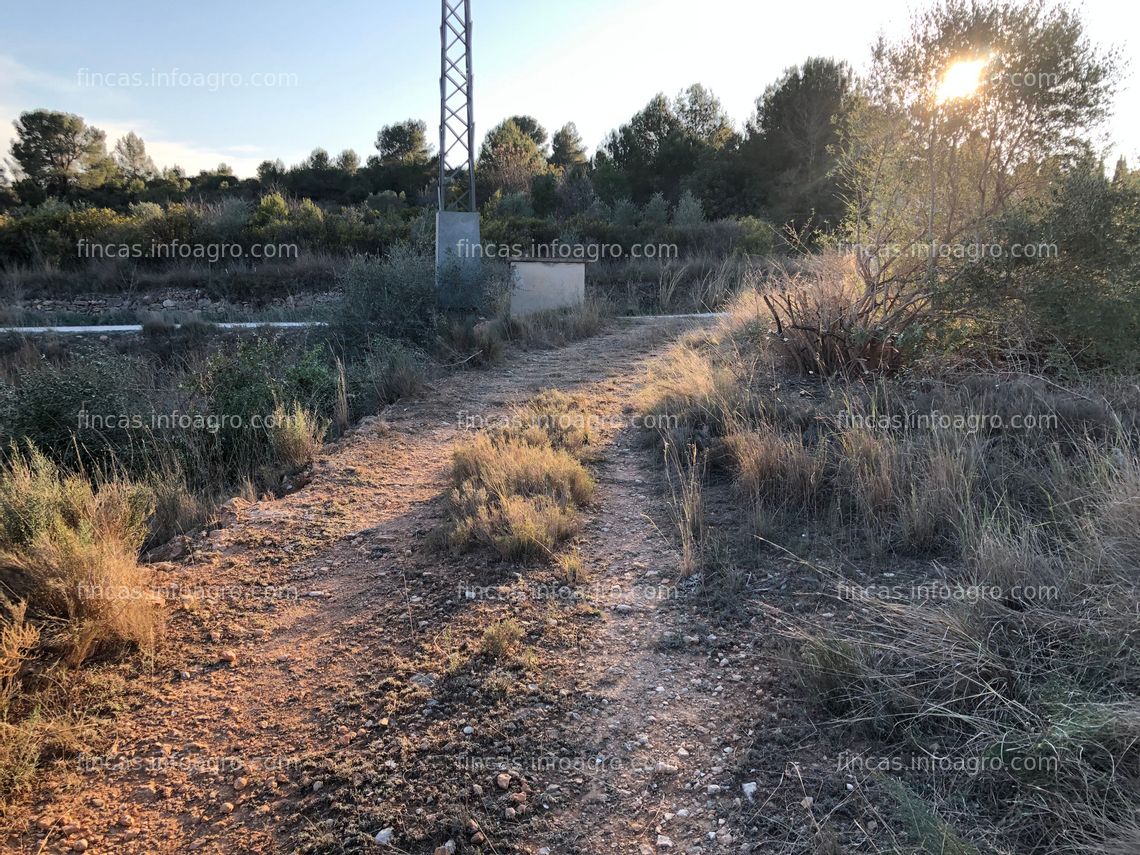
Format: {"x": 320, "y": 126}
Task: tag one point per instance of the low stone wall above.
{"x": 179, "y": 302}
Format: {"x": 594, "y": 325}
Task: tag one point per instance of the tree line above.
{"x": 684, "y": 149}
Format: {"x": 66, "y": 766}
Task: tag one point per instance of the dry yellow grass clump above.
{"x": 518, "y": 488}
{"x": 297, "y": 435}
{"x": 485, "y": 342}
{"x": 501, "y": 639}
{"x": 69, "y": 551}
{"x": 71, "y": 588}
{"x": 560, "y": 326}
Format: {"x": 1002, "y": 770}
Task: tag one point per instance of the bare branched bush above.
{"x": 824, "y": 319}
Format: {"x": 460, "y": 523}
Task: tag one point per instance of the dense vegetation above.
{"x": 1016, "y": 207}
{"x": 683, "y": 148}
{"x": 677, "y": 174}
{"x": 965, "y": 539}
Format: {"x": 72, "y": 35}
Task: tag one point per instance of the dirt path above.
{"x": 322, "y": 686}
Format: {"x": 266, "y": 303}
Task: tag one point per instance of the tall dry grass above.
{"x": 560, "y": 327}
{"x": 69, "y": 551}
{"x": 296, "y": 436}
{"x": 71, "y": 588}
{"x": 1032, "y": 679}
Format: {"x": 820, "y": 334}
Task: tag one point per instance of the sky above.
{"x": 243, "y": 81}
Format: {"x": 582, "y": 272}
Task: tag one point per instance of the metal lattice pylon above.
{"x": 457, "y": 117}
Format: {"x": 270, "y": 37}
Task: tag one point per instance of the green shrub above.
{"x": 225, "y": 221}
{"x": 626, "y": 213}
{"x": 393, "y": 297}
{"x": 510, "y": 206}
{"x": 757, "y": 236}
{"x": 144, "y": 212}
{"x": 197, "y": 423}
{"x": 310, "y": 379}
{"x": 307, "y": 224}
{"x": 179, "y": 222}
{"x": 244, "y": 390}
{"x": 386, "y": 202}
{"x": 689, "y": 211}
{"x": 1094, "y": 313}
{"x": 544, "y": 194}
{"x": 1073, "y": 284}
{"x": 50, "y": 233}
{"x": 387, "y": 372}
{"x": 507, "y": 231}
{"x": 656, "y": 213}
{"x": 244, "y": 382}
{"x": 75, "y": 411}
{"x": 600, "y": 212}
{"x": 272, "y": 209}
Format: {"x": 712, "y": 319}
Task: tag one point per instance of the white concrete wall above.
{"x": 539, "y": 286}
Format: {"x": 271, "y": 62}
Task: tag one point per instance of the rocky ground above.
{"x": 176, "y": 303}
{"x": 326, "y": 685}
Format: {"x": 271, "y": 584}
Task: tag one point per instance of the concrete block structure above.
{"x": 457, "y": 259}
{"x": 541, "y": 285}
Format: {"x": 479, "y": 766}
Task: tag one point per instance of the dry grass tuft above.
{"x": 561, "y": 326}
{"x": 685, "y": 471}
{"x": 518, "y": 489}
{"x": 697, "y": 396}
{"x": 1116, "y": 520}
{"x": 297, "y": 436}
{"x": 570, "y": 568}
{"x": 177, "y": 508}
{"x": 564, "y": 419}
{"x": 508, "y": 466}
{"x": 71, "y": 588}
{"x": 474, "y": 342}
{"x": 69, "y": 550}
{"x": 501, "y": 639}
{"x": 773, "y": 468}
{"x": 18, "y": 639}
{"x": 465, "y": 341}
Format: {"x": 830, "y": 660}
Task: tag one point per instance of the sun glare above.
{"x": 961, "y": 80}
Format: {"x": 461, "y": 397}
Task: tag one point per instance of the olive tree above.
{"x": 973, "y": 115}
